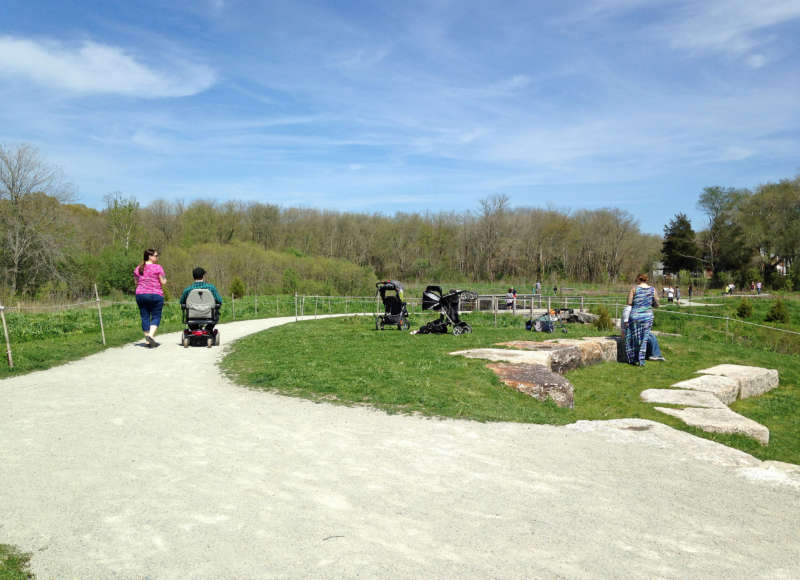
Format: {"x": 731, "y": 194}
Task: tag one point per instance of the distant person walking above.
{"x": 758, "y": 287}
{"x": 691, "y": 291}
{"x": 510, "y": 299}
{"x": 538, "y": 289}
{"x": 642, "y": 299}
{"x": 150, "y": 279}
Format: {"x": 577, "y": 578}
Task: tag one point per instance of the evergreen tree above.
{"x": 679, "y": 250}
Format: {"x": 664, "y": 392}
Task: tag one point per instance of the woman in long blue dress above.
{"x": 642, "y": 299}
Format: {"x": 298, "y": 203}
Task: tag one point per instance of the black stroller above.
{"x": 200, "y": 315}
{"x": 395, "y": 312}
{"x": 447, "y": 306}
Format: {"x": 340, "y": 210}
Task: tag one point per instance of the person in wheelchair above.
{"x": 199, "y": 275}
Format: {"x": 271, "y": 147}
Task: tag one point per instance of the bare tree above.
{"x": 31, "y": 193}
{"x": 123, "y": 217}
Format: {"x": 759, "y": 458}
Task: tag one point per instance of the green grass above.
{"x": 42, "y": 340}
{"x": 346, "y": 361}
{"x": 14, "y": 564}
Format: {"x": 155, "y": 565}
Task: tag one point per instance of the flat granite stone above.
{"x": 753, "y": 381}
{"x": 720, "y": 421}
{"x": 537, "y": 381}
{"x": 504, "y": 354}
{"x": 724, "y": 388}
{"x": 682, "y": 397}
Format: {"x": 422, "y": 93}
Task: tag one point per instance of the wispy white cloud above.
{"x": 358, "y": 59}
{"x": 740, "y": 28}
{"x": 95, "y": 68}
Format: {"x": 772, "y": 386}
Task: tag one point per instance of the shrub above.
{"x": 778, "y": 312}
{"x": 237, "y": 287}
{"x": 745, "y": 309}
{"x": 604, "y": 320}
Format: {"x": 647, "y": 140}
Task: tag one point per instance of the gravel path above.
{"x": 137, "y": 463}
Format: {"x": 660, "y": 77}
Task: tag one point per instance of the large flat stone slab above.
{"x": 724, "y": 388}
{"x": 563, "y": 357}
{"x": 682, "y": 397}
{"x": 538, "y": 381}
{"x": 753, "y": 381}
{"x": 507, "y": 355}
{"x": 720, "y": 421}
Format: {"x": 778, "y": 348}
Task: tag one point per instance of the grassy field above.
{"x": 346, "y": 361}
{"x": 14, "y": 564}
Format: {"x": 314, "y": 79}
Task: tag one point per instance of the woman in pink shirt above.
{"x": 150, "y": 278}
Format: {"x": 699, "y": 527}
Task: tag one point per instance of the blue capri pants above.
{"x": 150, "y": 306}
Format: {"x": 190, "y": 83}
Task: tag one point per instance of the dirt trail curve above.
{"x": 135, "y": 463}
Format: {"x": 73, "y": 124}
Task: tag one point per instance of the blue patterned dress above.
{"x": 639, "y": 325}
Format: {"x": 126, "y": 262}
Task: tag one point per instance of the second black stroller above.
{"x": 395, "y": 312}
{"x": 447, "y": 306}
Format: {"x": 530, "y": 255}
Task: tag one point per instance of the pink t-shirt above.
{"x": 149, "y": 283}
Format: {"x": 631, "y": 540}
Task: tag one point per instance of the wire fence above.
{"x": 29, "y": 322}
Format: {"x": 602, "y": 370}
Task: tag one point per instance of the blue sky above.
{"x": 407, "y": 106}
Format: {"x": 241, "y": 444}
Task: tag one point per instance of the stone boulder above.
{"x": 537, "y": 381}
{"x": 582, "y": 317}
{"x": 753, "y": 381}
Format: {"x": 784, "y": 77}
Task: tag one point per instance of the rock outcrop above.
{"x": 537, "y": 381}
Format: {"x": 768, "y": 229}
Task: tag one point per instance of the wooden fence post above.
{"x": 295, "y": 306}
{"x": 5, "y": 332}
{"x": 99, "y": 314}
{"x": 233, "y": 306}
{"x": 255, "y": 305}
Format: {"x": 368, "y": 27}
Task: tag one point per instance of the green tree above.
{"x": 679, "y": 250}
{"x": 725, "y": 246}
{"x": 778, "y": 312}
{"x": 237, "y": 287}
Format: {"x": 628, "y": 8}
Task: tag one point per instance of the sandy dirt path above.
{"x": 137, "y": 463}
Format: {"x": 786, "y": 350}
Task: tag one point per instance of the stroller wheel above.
{"x": 378, "y": 325}
{"x": 185, "y": 341}
{"x": 457, "y": 330}
{"x": 210, "y": 341}
{"x": 216, "y": 339}
{"x": 406, "y": 325}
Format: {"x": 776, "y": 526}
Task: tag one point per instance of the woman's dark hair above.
{"x": 147, "y": 253}
{"x": 641, "y": 278}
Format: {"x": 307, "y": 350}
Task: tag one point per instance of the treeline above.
{"x": 750, "y": 236}
{"x": 54, "y": 246}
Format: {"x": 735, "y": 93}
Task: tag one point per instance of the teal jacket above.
{"x": 203, "y": 285}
